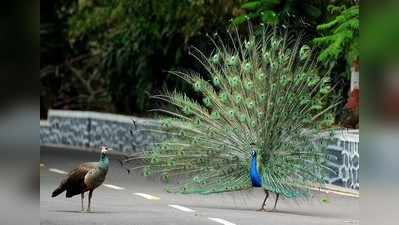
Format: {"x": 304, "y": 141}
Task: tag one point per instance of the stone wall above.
{"x": 345, "y": 159}
{"x": 91, "y": 129}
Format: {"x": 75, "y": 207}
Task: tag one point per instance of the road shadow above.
{"x": 80, "y": 212}
{"x": 275, "y": 212}
{"x": 303, "y": 213}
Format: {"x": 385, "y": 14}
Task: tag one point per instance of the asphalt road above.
{"x": 126, "y": 201}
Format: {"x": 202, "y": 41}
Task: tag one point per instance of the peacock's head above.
{"x": 253, "y": 153}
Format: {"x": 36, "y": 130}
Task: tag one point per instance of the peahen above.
{"x": 86, "y": 177}
{"x": 263, "y": 107}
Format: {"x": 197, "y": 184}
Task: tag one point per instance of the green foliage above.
{"x": 68, "y": 80}
{"x": 268, "y": 91}
{"x": 334, "y": 30}
{"x": 272, "y": 12}
{"x": 140, "y": 39}
{"x": 340, "y": 35}
{"x": 132, "y": 43}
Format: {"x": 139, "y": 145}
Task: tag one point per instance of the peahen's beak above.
{"x": 104, "y": 150}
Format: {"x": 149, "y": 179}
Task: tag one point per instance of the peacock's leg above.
{"x": 275, "y": 203}
{"x": 82, "y": 196}
{"x": 90, "y": 194}
{"x": 262, "y": 208}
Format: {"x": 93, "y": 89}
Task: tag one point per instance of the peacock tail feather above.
{"x": 265, "y": 90}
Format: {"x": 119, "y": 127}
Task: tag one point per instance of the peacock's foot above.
{"x": 89, "y": 211}
{"x": 261, "y": 210}
{"x": 82, "y": 210}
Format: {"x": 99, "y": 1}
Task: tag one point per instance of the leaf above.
{"x": 269, "y": 4}
{"x": 325, "y": 200}
{"x": 326, "y": 26}
{"x": 240, "y": 19}
{"x": 269, "y": 17}
{"x": 251, "y": 5}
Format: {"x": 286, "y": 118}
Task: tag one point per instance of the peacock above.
{"x": 254, "y": 121}
{"x": 86, "y": 177}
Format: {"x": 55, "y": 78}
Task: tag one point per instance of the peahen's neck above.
{"x": 104, "y": 162}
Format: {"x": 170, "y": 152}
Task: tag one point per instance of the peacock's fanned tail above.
{"x": 265, "y": 90}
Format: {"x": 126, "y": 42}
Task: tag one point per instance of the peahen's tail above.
{"x": 58, "y": 191}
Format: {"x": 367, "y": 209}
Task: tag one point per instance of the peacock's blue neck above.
{"x": 104, "y": 161}
{"x": 256, "y": 179}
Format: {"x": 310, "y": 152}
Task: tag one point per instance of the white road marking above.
{"x": 182, "y": 208}
{"x": 352, "y": 221}
{"x": 114, "y": 187}
{"x": 222, "y": 221}
{"x": 147, "y": 196}
{"x": 57, "y": 171}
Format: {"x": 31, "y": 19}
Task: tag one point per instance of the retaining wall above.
{"x": 92, "y": 129}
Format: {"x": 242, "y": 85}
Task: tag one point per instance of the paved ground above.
{"x": 113, "y": 205}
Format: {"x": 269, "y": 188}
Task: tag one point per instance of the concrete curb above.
{"x": 334, "y": 189}
{"x": 83, "y": 149}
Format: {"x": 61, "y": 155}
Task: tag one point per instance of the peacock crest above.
{"x": 264, "y": 90}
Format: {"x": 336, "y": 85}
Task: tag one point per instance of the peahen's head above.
{"x": 104, "y": 150}
{"x": 104, "y": 161}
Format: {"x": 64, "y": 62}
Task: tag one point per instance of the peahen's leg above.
{"x": 90, "y": 194}
{"x": 262, "y": 208}
{"x": 82, "y": 196}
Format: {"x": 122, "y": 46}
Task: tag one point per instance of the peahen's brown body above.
{"x": 86, "y": 177}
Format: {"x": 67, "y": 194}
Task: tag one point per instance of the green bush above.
{"x": 129, "y": 45}
{"x": 139, "y": 40}
{"x": 340, "y": 35}
{"x": 294, "y": 14}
